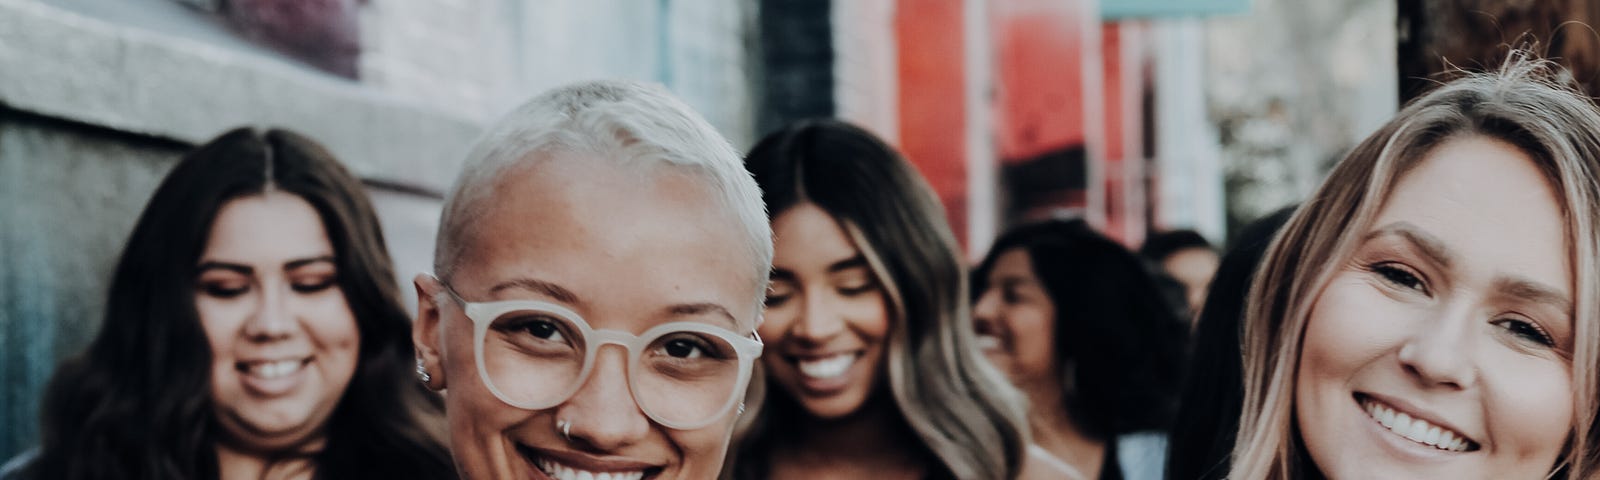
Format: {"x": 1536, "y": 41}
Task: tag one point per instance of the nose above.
{"x": 987, "y": 310}
{"x": 602, "y": 415}
{"x": 1439, "y": 354}
{"x": 272, "y": 319}
{"x": 820, "y": 321}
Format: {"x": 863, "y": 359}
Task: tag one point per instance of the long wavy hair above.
{"x": 137, "y": 404}
{"x": 1522, "y": 104}
{"x": 1118, "y": 340}
{"x": 961, "y": 410}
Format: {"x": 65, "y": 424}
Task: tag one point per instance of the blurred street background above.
{"x": 1138, "y": 115}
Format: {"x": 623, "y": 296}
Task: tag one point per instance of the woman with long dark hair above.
{"x": 253, "y": 330}
{"x": 870, "y": 367}
{"x": 1078, "y": 323}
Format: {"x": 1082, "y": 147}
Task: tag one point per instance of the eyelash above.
{"x": 218, "y": 291}
{"x": 1400, "y": 276}
{"x": 1533, "y": 332}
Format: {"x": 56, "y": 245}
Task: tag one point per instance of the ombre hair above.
{"x": 1521, "y": 104}
{"x": 961, "y": 410}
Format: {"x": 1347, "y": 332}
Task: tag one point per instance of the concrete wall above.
{"x": 99, "y": 98}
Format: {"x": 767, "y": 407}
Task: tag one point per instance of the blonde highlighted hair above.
{"x": 1522, "y": 104}
{"x": 962, "y": 412}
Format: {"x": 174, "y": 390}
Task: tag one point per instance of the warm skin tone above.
{"x": 627, "y": 250}
{"x": 1193, "y": 267}
{"x": 1455, "y": 308}
{"x": 826, "y": 327}
{"x": 283, "y": 340}
{"x": 1016, "y": 323}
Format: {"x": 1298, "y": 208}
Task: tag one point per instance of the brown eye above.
{"x": 313, "y": 286}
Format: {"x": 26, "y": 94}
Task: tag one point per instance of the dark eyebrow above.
{"x": 538, "y": 286}
{"x": 848, "y": 263}
{"x": 232, "y": 267}
{"x": 703, "y": 308}
{"x": 1431, "y": 246}
{"x": 1533, "y": 292}
{"x": 297, "y": 263}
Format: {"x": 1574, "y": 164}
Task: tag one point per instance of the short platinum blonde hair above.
{"x": 1525, "y": 104}
{"x": 633, "y": 124}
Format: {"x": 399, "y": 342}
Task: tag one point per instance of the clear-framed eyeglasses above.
{"x": 535, "y": 355}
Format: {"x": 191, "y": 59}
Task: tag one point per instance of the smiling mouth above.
{"x": 1415, "y": 429}
{"x": 267, "y": 370}
{"x": 561, "y": 471}
{"x": 989, "y": 342}
{"x": 829, "y": 367}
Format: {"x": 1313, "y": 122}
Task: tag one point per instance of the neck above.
{"x": 235, "y": 463}
{"x": 874, "y": 434}
{"x": 1054, "y": 428}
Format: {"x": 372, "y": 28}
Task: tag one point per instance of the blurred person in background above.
{"x": 600, "y": 266}
{"x": 1077, "y": 322}
{"x": 253, "y": 330}
{"x": 1208, "y": 409}
{"x": 1430, "y": 312}
{"x": 1187, "y": 257}
{"x": 871, "y": 371}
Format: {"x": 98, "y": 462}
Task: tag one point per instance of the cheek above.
{"x": 1529, "y": 407}
{"x": 1350, "y": 325}
{"x": 702, "y": 449}
{"x": 869, "y": 316}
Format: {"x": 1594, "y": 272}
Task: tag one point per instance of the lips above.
{"x": 579, "y": 467}
{"x": 274, "y": 377}
{"x": 1416, "y": 429}
{"x": 268, "y": 370}
{"x": 826, "y": 368}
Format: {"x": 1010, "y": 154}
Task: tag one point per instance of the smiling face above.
{"x": 1016, "y": 320}
{"x": 1441, "y": 347}
{"x": 623, "y": 250}
{"x": 826, "y": 319}
{"x": 283, "y": 341}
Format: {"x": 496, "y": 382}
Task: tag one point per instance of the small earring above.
{"x": 422, "y": 372}
{"x": 741, "y": 409}
{"x": 566, "y": 428}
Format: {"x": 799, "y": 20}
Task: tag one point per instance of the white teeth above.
{"x": 274, "y": 369}
{"x": 563, "y": 472}
{"x": 829, "y": 367}
{"x": 988, "y": 342}
{"x": 1416, "y": 429}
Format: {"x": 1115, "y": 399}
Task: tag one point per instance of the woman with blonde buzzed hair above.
{"x": 1431, "y": 311}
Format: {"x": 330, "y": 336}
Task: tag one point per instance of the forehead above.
{"x": 623, "y": 238}
{"x": 1488, "y": 203}
{"x": 805, "y": 237}
{"x": 1015, "y": 263}
{"x": 268, "y": 228}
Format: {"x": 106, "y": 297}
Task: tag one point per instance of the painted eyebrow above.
{"x": 297, "y": 263}
{"x": 243, "y": 269}
{"x": 1533, "y": 291}
{"x": 232, "y": 267}
{"x": 1431, "y": 246}
{"x": 703, "y": 308}
{"x": 848, "y": 263}
{"x": 856, "y": 261}
{"x": 548, "y": 289}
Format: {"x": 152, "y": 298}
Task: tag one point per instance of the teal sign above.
{"x": 1131, "y": 9}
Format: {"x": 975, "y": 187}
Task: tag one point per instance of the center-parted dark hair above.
{"x": 137, "y": 403}
{"x": 1118, "y": 341}
{"x": 961, "y": 411}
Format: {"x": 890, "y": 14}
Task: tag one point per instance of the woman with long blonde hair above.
{"x": 1430, "y": 312}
